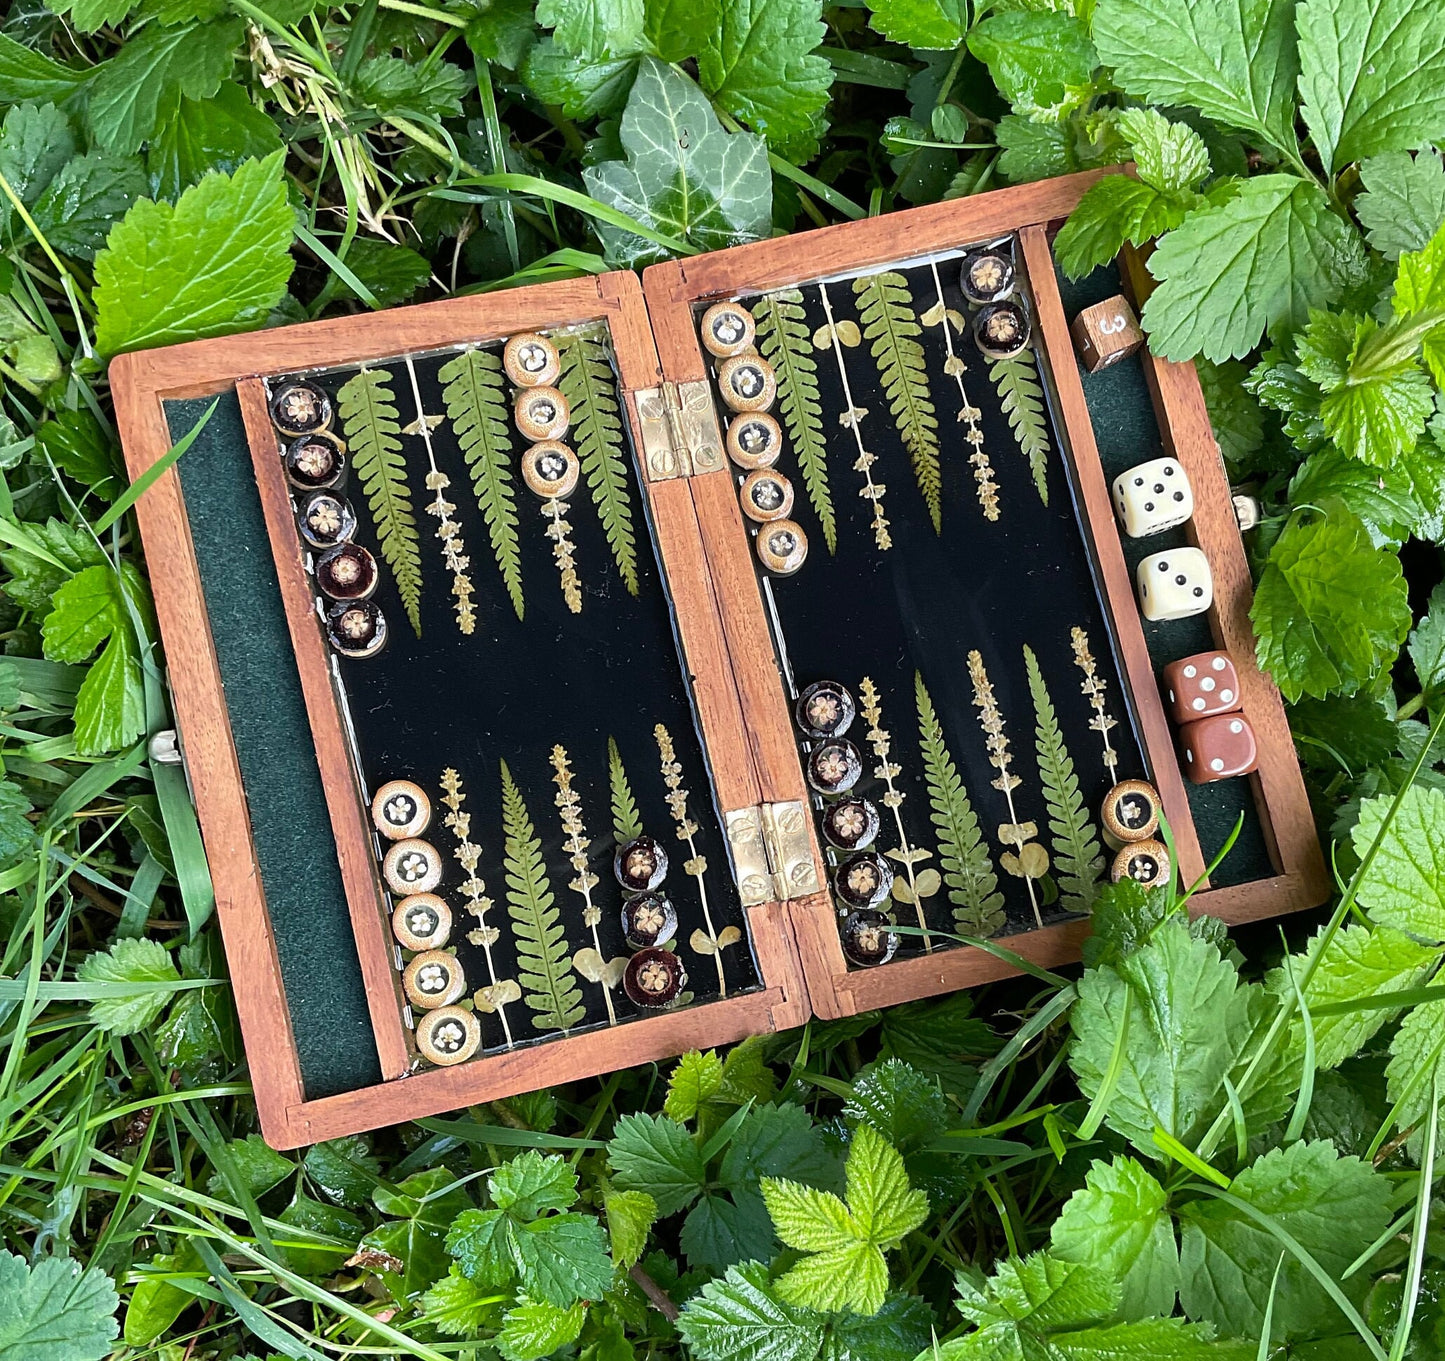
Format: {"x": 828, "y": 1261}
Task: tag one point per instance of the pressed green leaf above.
{"x": 1077, "y": 855}
{"x": 367, "y": 406}
{"x": 215, "y": 263}
{"x": 1259, "y": 260}
{"x": 1372, "y": 76}
{"x": 1404, "y": 886}
{"x": 968, "y": 872}
{"x": 937, "y": 25}
{"x": 1330, "y": 609}
{"x": 1119, "y": 1222}
{"x": 683, "y": 175}
{"x": 1022, "y": 398}
{"x": 626, "y": 821}
{"x": 53, "y": 1310}
{"x": 785, "y": 341}
{"x": 1041, "y": 60}
{"x": 1233, "y": 60}
{"x": 890, "y": 326}
{"x": 757, "y": 62}
{"x": 588, "y": 384}
{"x": 134, "y": 960}
{"x": 1403, "y": 205}
{"x": 545, "y": 970}
{"x": 475, "y": 398}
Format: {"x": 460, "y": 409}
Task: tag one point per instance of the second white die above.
{"x": 1174, "y": 584}
{"x": 1152, "y": 497}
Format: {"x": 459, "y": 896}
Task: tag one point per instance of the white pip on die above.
{"x": 1174, "y": 584}
{"x": 1153, "y": 497}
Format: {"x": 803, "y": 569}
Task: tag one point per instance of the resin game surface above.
{"x": 574, "y": 676}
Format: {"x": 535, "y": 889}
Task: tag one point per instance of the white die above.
{"x": 1154, "y": 496}
{"x": 1174, "y": 584}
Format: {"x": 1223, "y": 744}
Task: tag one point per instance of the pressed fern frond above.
{"x": 1017, "y": 380}
{"x": 373, "y": 435}
{"x": 626, "y": 821}
{"x": 476, "y": 401}
{"x": 978, "y": 906}
{"x": 543, "y": 967}
{"x": 889, "y": 323}
{"x": 588, "y": 385}
{"x": 787, "y": 344}
{"x": 1078, "y": 857}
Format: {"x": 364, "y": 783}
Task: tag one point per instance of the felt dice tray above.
{"x": 324, "y": 1026}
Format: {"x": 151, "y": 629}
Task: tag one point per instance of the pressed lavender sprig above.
{"x": 575, "y": 844}
{"x": 1093, "y": 686}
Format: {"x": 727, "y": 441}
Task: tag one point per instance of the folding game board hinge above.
{"x": 679, "y": 428}
{"x": 772, "y": 856}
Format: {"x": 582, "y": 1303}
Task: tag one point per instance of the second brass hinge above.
{"x": 679, "y": 429}
{"x": 772, "y": 855}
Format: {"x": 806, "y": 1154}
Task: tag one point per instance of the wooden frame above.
{"x": 737, "y": 689}
{"x": 674, "y": 289}
{"x": 143, "y": 383}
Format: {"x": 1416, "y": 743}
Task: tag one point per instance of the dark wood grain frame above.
{"x": 1301, "y": 880}
{"x": 142, "y": 383}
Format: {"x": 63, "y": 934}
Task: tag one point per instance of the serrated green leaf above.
{"x": 475, "y": 398}
{"x": 899, "y": 1331}
{"x": 1077, "y": 855}
{"x": 933, "y": 25}
{"x": 215, "y": 263}
{"x": 17, "y": 833}
{"x": 89, "y": 195}
{"x": 1233, "y": 60}
{"x": 1331, "y": 609}
{"x": 534, "y": 1329}
{"x": 1403, "y": 886}
{"x": 785, "y": 341}
{"x": 1022, "y": 397}
{"x": 36, "y": 141}
{"x": 1332, "y": 1207}
{"x": 391, "y": 84}
{"x": 968, "y": 872}
{"x": 53, "y": 1310}
{"x": 582, "y": 89}
{"x": 1382, "y": 498}
{"x": 1403, "y": 205}
{"x": 459, "y": 1307}
{"x": 89, "y": 16}
{"x": 694, "y": 1081}
{"x": 654, "y": 1154}
{"x": 1426, "y": 644}
{"x": 594, "y": 29}
{"x": 26, "y": 74}
{"x": 905, "y": 1106}
{"x": 1171, "y": 157}
{"x": 1115, "y": 210}
{"x": 740, "y": 1316}
{"x": 1417, "y": 1064}
{"x": 532, "y": 1183}
{"x": 563, "y": 1258}
{"x": 544, "y": 967}
{"x": 1119, "y": 1222}
{"x": 1041, "y": 60}
{"x": 1259, "y": 260}
{"x": 588, "y": 384}
{"x": 391, "y": 273}
{"x": 890, "y": 325}
{"x": 630, "y": 1217}
{"x": 887, "y": 1209}
{"x": 683, "y": 175}
{"x": 1234, "y": 414}
{"x": 208, "y": 134}
{"x": 1372, "y": 76}
{"x": 367, "y": 406}
{"x": 133, "y": 960}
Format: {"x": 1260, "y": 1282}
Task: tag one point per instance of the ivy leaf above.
{"x": 1403, "y": 886}
{"x": 1403, "y": 205}
{"x": 683, "y": 175}
{"x": 1372, "y": 76}
{"x": 215, "y": 263}
{"x": 208, "y": 134}
{"x": 423, "y": 1208}
{"x": 1332, "y": 1207}
{"x": 845, "y": 1243}
{"x": 141, "y": 963}
{"x": 1042, "y": 61}
{"x": 758, "y": 63}
{"x": 535, "y": 1329}
{"x": 1233, "y": 60}
{"x": 140, "y": 88}
{"x": 594, "y": 29}
{"x": 1331, "y": 609}
{"x": 654, "y": 1154}
{"x": 1261, "y": 259}
{"x": 1119, "y": 1222}
{"x": 53, "y": 1309}
{"x": 80, "y": 205}
{"x": 739, "y": 1316}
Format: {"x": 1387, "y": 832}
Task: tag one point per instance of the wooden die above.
{"x": 1106, "y": 333}
{"x": 1217, "y": 748}
{"x": 1201, "y": 686}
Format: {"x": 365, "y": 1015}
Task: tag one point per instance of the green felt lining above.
{"x": 1127, "y": 433}
{"x": 290, "y": 824}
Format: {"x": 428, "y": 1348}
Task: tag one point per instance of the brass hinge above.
{"x": 772, "y": 856}
{"x": 679, "y": 428}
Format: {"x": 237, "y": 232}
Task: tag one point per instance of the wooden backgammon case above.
{"x": 489, "y": 698}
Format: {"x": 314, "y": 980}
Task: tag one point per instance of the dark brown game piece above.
{"x": 834, "y": 766}
{"x": 649, "y": 920}
{"x": 346, "y": 572}
{"x": 640, "y": 865}
{"x": 653, "y": 977}
{"x": 863, "y": 880}
{"x": 825, "y": 709}
{"x": 1217, "y": 748}
{"x": 868, "y": 937}
{"x": 1201, "y": 686}
{"x": 851, "y": 824}
{"x": 1106, "y": 333}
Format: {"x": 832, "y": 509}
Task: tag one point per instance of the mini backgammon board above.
{"x": 573, "y": 676}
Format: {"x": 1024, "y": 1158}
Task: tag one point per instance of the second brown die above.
{"x": 1217, "y": 748}
{"x": 1201, "y": 686}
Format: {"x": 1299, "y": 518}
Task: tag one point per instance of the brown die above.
{"x": 1201, "y": 686}
{"x": 1217, "y": 748}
